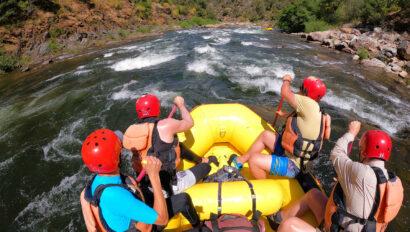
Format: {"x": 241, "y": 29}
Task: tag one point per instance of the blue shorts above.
{"x": 282, "y": 165}
{"x": 279, "y": 150}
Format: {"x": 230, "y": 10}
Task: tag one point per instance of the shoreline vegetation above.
{"x": 35, "y": 33}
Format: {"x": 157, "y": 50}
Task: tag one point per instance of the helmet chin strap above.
{"x": 114, "y": 173}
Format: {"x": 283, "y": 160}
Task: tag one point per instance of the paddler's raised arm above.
{"x": 286, "y": 92}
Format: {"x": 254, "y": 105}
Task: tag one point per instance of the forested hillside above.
{"x": 314, "y": 15}
{"x": 47, "y": 28}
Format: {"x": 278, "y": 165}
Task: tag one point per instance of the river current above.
{"x": 45, "y": 116}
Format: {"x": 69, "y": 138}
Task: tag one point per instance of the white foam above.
{"x": 80, "y": 72}
{"x": 55, "y": 150}
{"x": 108, "y": 54}
{"x": 255, "y": 44}
{"x": 281, "y": 71}
{"x": 298, "y": 46}
{"x": 246, "y": 43}
{"x": 205, "y": 49}
{"x": 56, "y": 77}
{"x": 355, "y": 74}
{"x": 6, "y": 163}
{"x": 131, "y": 47}
{"x": 124, "y": 94}
{"x": 58, "y": 201}
{"x": 373, "y": 113}
{"x": 253, "y": 70}
{"x": 143, "y": 61}
{"x": 202, "y": 66}
{"x": 325, "y": 62}
{"x": 219, "y": 97}
{"x": 263, "y": 39}
{"x": 264, "y": 84}
{"x": 165, "y": 97}
{"x": 207, "y": 37}
{"x": 221, "y": 40}
{"x": 194, "y": 31}
{"x": 248, "y": 30}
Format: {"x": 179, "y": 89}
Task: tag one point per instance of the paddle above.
{"x": 276, "y": 115}
{"x": 143, "y": 172}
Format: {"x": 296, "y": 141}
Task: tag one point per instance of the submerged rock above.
{"x": 404, "y": 133}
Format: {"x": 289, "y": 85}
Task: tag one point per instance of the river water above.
{"x": 45, "y": 116}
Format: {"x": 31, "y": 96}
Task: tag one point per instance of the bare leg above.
{"x": 295, "y": 224}
{"x": 259, "y": 165}
{"x": 314, "y": 200}
{"x": 265, "y": 139}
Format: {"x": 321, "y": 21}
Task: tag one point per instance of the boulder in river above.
{"x": 373, "y": 63}
{"x": 395, "y": 68}
{"x": 404, "y": 50}
{"x": 318, "y": 36}
{"x": 346, "y": 30}
{"x": 387, "y": 68}
{"x": 403, "y": 74}
{"x": 328, "y": 42}
{"x": 364, "y": 42}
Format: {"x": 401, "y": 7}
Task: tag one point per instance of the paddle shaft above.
{"x": 143, "y": 172}
{"x": 276, "y": 114}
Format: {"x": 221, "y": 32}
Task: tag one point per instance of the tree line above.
{"x": 290, "y": 15}
{"x": 315, "y": 15}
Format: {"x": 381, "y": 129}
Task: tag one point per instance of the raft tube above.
{"x": 221, "y": 130}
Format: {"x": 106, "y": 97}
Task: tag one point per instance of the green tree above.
{"x": 327, "y": 10}
{"x": 12, "y": 10}
{"x": 373, "y": 11}
{"x": 294, "y": 16}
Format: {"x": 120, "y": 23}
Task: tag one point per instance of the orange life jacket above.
{"x": 93, "y": 218}
{"x": 138, "y": 138}
{"x": 292, "y": 141}
{"x": 388, "y": 200}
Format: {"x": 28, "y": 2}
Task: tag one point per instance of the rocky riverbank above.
{"x": 78, "y": 28}
{"x": 388, "y": 51}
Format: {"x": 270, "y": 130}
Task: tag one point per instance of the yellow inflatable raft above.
{"x": 268, "y": 28}
{"x": 221, "y": 130}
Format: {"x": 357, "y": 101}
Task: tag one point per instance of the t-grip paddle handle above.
{"x": 276, "y": 114}
{"x": 143, "y": 172}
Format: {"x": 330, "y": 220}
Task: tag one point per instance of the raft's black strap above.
{"x": 219, "y": 198}
{"x": 253, "y": 195}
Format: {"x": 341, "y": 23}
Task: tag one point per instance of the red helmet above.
{"x": 101, "y": 151}
{"x": 313, "y": 88}
{"x": 376, "y": 144}
{"x": 148, "y": 106}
